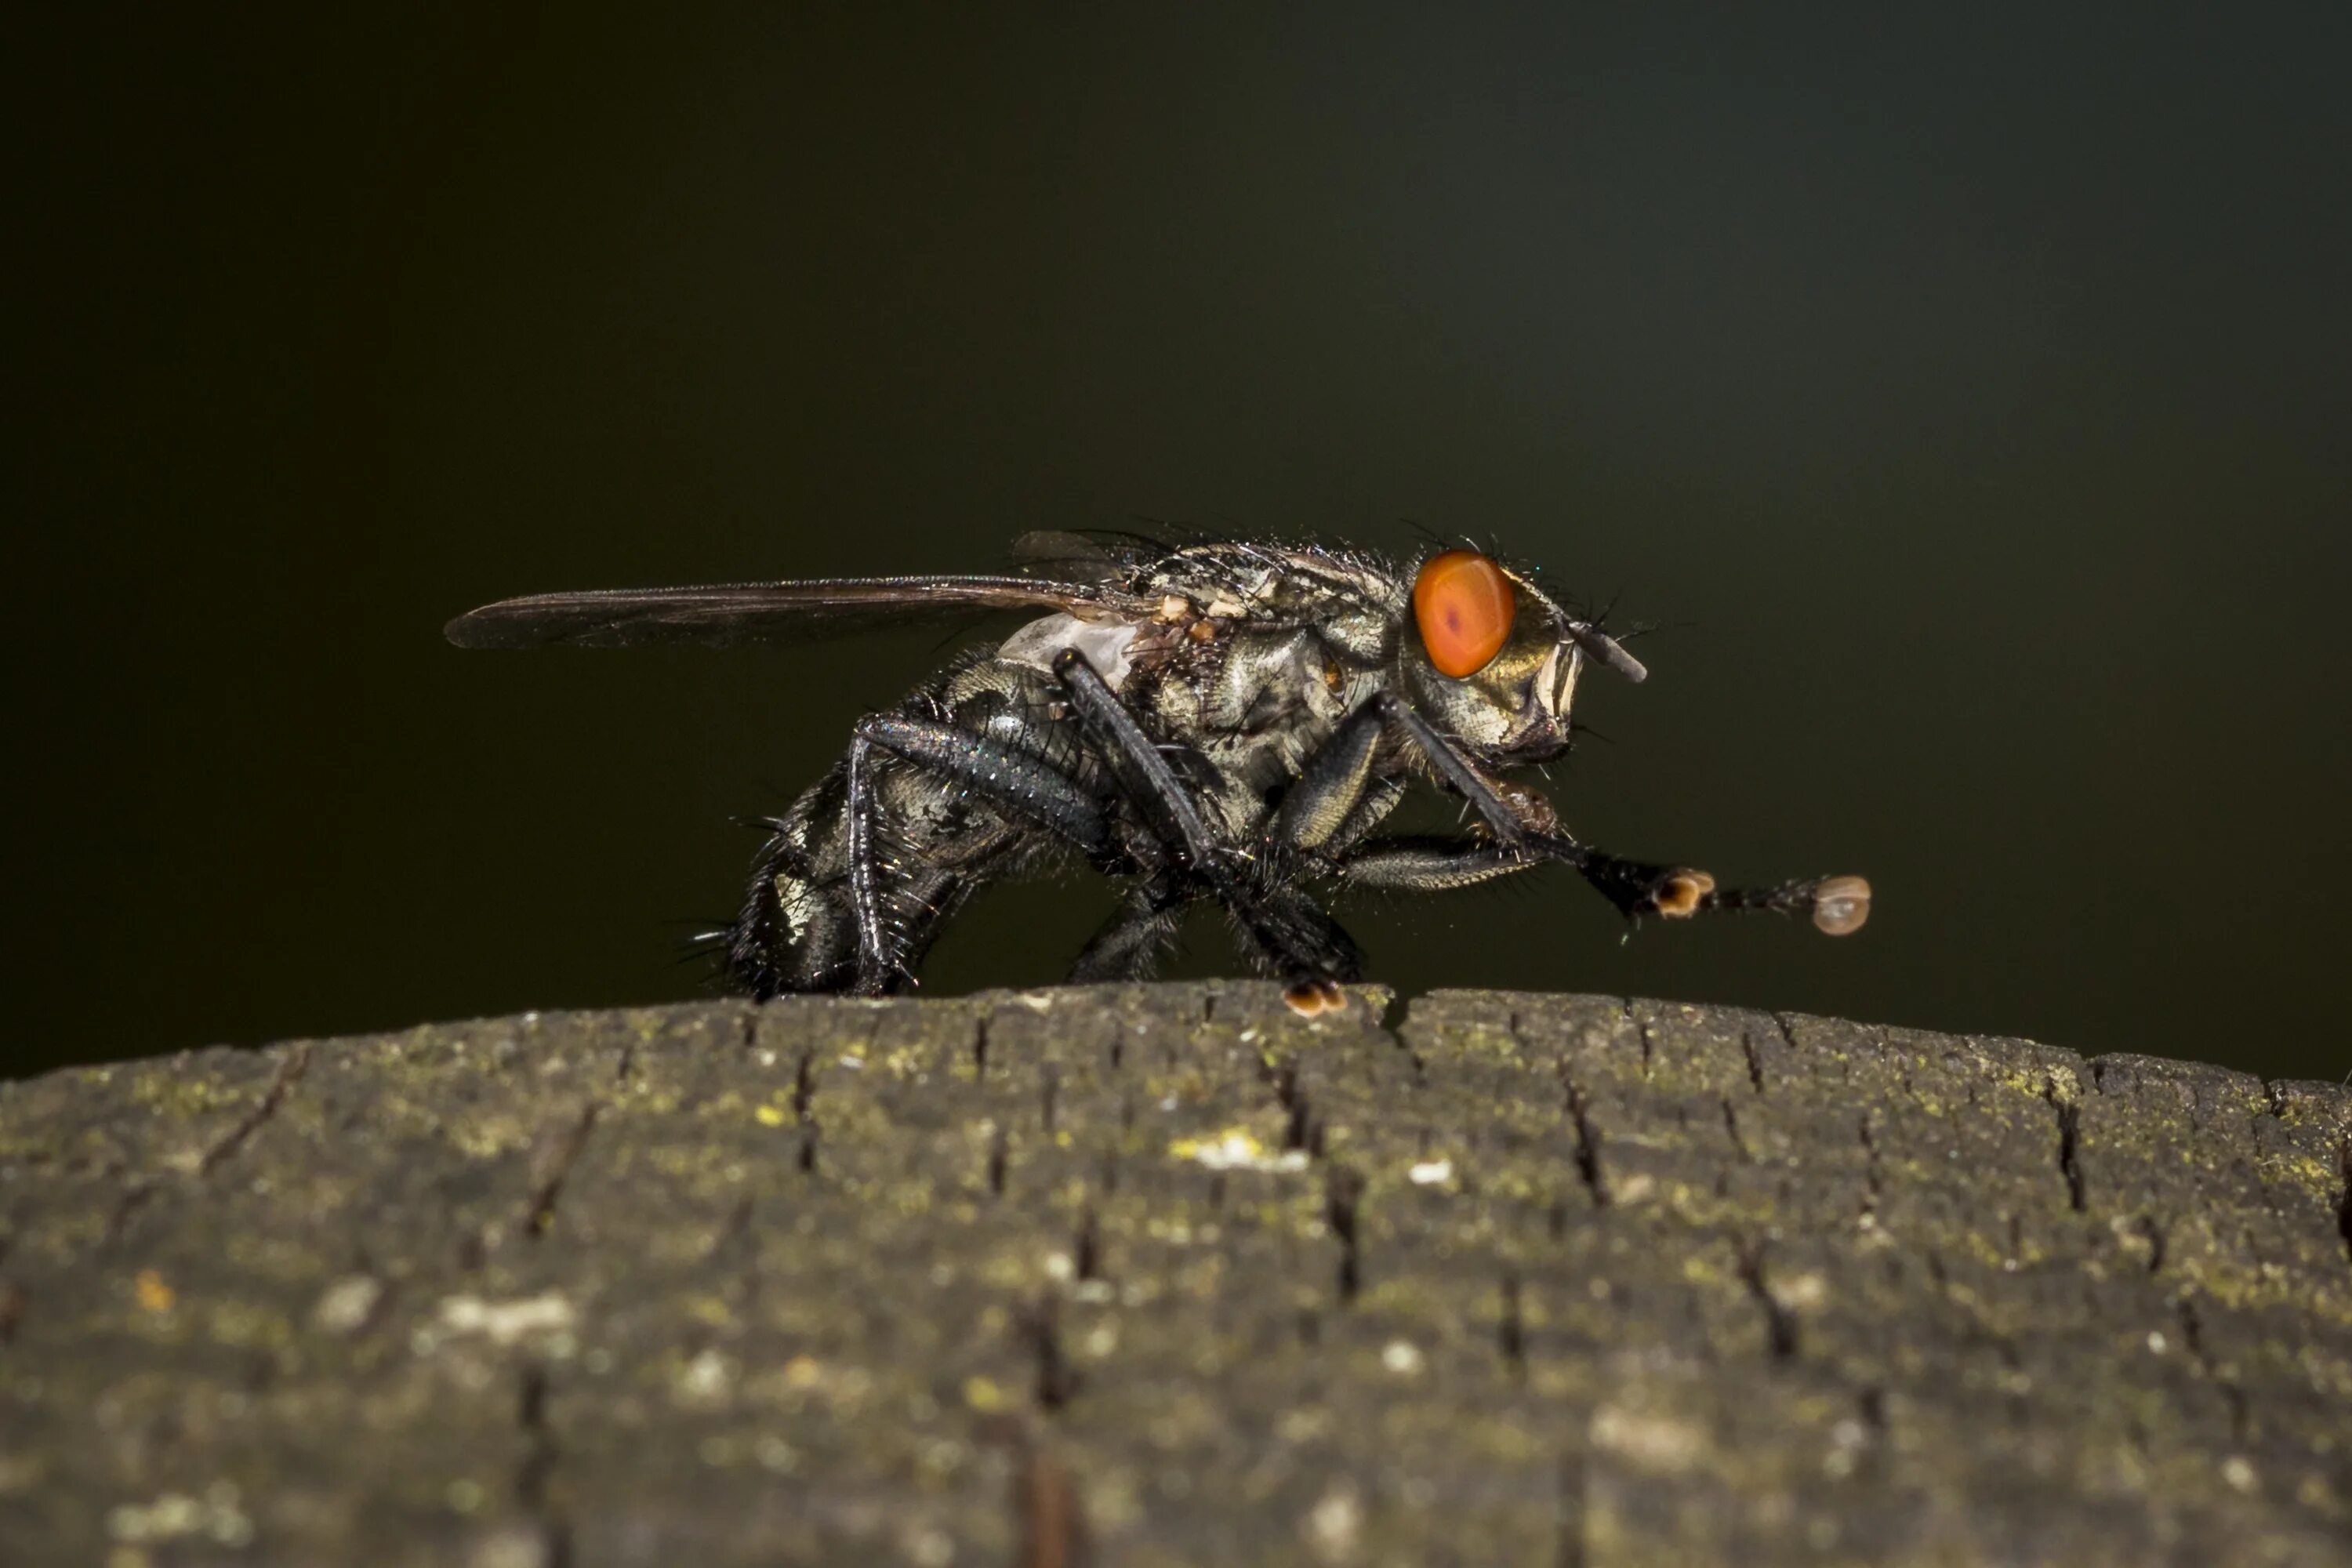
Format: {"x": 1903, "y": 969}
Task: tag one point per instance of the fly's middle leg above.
{"x": 1294, "y": 938}
{"x": 1129, "y": 944}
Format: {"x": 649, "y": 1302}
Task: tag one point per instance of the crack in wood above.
{"x": 1343, "y": 1194}
{"x": 732, "y": 1229}
{"x": 2153, "y": 1234}
{"x": 2192, "y": 1334}
{"x": 1874, "y": 1178}
{"x": 1510, "y": 1330}
{"x": 1300, "y": 1129}
{"x": 555, "y": 1167}
{"x": 137, "y": 1196}
{"x": 1569, "y": 1545}
{"x": 803, "y": 1085}
{"x": 1780, "y": 1323}
{"x": 1731, "y": 1127}
{"x": 1049, "y": 1523}
{"x": 1640, "y": 1032}
{"x": 1058, "y": 1382}
{"x": 1755, "y": 1063}
{"x": 2070, "y": 1135}
{"x": 1588, "y": 1144}
{"x": 541, "y": 1455}
{"x": 2344, "y": 1201}
{"x": 290, "y": 1068}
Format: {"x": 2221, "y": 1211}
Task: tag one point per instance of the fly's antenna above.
{"x": 1600, "y": 645}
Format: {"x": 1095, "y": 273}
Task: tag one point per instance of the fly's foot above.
{"x": 1638, "y": 889}
{"x": 1312, "y": 998}
{"x": 1841, "y": 905}
{"x": 1680, "y": 892}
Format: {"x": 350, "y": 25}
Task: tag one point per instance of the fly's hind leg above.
{"x": 1130, "y": 945}
{"x": 1019, "y": 783}
{"x": 878, "y": 959}
{"x": 1021, "y": 786}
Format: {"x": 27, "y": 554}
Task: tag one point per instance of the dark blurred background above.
{"x": 1963, "y": 391}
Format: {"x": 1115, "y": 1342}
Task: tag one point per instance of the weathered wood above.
{"x": 1166, "y": 1274}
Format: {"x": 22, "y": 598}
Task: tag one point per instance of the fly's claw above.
{"x": 1680, "y": 892}
{"x": 1841, "y": 905}
{"x": 1312, "y": 998}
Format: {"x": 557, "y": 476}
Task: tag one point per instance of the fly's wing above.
{"x": 1089, "y": 554}
{"x": 737, "y": 612}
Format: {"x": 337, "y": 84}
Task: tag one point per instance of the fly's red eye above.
{"x": 1463, "y": 604}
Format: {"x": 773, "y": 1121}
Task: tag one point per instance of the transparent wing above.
{"x": 735, "y": 613}
{"x": 1089, "y": 554}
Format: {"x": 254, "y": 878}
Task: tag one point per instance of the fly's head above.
{"x": 1490, "y": 660}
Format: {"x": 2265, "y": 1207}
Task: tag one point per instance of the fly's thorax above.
{"x": 1257, "y": 702}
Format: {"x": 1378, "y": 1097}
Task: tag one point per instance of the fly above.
{"x": 1228, "y": 721}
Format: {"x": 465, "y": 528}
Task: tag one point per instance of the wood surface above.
{"x": 1160, "y": 1275}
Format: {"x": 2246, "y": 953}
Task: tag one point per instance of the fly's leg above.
{"x": 1331, "y": 786}
{"x": 1430, "y": 863}
{"x": 1435, "y": 864}
{"x": 1019, "y": 784}
{"x": 875, "y": 963}
{"x": 1301, "y": 947}
{"x": 1130, "y": 943}
{"x": 861, "y": 926}
{"x": 1838, "y": 905}
{"x": 1008, "y": 778}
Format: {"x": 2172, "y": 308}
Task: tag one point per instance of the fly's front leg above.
{"x": 1524, "y": 824}
{"x": 1433, "y": 864}
{"x": 1429, "y": 863}
{"x": 1301, "y": 947}
{"x": 1837, "y": 905}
